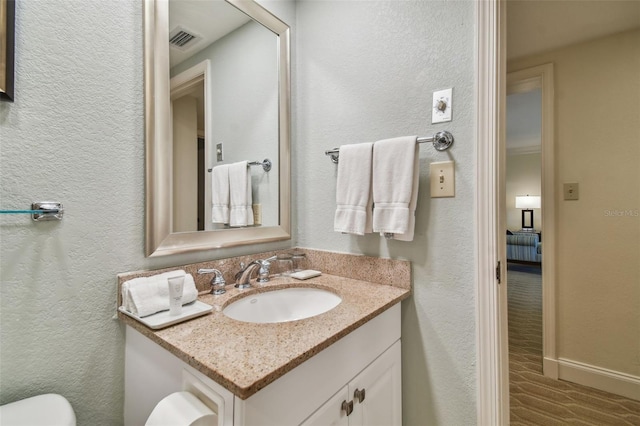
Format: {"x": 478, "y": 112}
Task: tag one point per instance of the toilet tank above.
{"x": 42, "y": 410}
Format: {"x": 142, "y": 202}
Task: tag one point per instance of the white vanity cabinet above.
{"x": 373, "y": 397}
{"x": 367, "y": 359}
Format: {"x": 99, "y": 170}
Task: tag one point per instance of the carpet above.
{"x": 539, "y": 400}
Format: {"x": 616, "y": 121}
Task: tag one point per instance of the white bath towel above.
{"x": 353, "y": 190}
{"x": 220, "y": 194}
{"x": 241, "y": 210}
{"x": 147, "y": 295}
{"x": 395, "y": 185}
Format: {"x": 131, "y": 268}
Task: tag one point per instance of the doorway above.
{"x": 191, "y": 151}
{"x": 534, "y": 86}
{"x": 585, "y": 266}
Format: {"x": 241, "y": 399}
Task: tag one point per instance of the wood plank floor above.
{"x": 538, "y": 400}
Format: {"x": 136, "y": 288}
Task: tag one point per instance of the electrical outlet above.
{"x": 257, "y": 214}
{"x": 442, "y": 178}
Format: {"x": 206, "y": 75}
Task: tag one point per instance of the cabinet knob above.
{"x": 347, "y": 407}
{"x": 359, "y": 395}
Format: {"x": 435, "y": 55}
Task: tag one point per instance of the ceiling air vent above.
{"x": 183, "y": 39}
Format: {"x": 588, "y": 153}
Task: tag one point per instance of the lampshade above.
{"x": 527, "y": 202}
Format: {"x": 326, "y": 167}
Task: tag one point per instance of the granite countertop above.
{"x": 246, "y": 357}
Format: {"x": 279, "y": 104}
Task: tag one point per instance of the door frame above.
{"x": 522, "y": 81}
{"x": 178, "y": 85}
{"x": 491, "y": 295}
{"x": 491, "y": 333}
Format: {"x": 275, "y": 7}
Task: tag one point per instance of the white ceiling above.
{"x": 535, "y": 26}
{"x": 211, "y": 20}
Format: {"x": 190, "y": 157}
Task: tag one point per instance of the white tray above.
{"x": 163, "y": 319}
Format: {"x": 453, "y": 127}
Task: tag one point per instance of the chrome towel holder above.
{"x": 441, "y": 142}
{"x": 266, "y": 165}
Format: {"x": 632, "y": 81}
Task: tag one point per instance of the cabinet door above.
{"x": 332, "y": 412}
{"x": 377, "y": 391}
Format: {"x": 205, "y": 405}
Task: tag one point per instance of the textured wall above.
{"x": 598, "y": 236}
{"x": 75, "y": 135}
{"x": 366, "y": 71}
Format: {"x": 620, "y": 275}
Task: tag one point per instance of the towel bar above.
{"x": 441, "y": 142}
{"x": 266, "y": 165}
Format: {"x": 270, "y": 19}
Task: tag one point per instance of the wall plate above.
{"x": 571, "y": 191}
{"x": 442, "y": 106}
{"x": 442, "y": 178}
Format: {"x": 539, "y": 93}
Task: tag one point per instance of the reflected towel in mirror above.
{"x": 220, "y": 194}
{"x": 241, "y": 210}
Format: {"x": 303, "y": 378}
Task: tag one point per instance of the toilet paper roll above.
{"x": 182, "y": 409}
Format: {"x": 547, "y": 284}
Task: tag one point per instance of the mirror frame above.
{"x": 159, "y": 240}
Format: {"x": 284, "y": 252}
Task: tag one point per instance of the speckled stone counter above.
{"x": 246, "y": 357}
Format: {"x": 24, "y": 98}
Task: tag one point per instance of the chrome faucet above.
{"x": 243, "y": 277}
{"x": 217, "y": 282}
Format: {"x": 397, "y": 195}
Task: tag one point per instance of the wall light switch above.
{"x": 219, "y": 152}
{"x": 571, "y": 191}
{"x": 442, "y": 178}
{"x": 442, "y": 106}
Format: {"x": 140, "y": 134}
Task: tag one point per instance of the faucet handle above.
{"x": 217, "y": 282}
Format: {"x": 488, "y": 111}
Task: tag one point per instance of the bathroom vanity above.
{"x": 340, "y": 367}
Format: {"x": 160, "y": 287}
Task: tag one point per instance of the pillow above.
{"x": 509, "y": 232}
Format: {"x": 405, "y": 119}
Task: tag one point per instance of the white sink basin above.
{"x": 287, "y": 304}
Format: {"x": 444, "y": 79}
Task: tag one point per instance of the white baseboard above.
{"x": 595, "y": 377}
{"x": 550, "y": 368}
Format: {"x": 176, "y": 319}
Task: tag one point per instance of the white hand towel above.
{"x": 220, "y": 194}
{"x": 408, "y": 236}
{"x": 148, "y": 295}
{"x": 353, "y": 190}
{"x": 241, "y": 212}
{"x": 395, "y": 184}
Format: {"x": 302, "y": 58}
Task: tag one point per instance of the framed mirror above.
{"x": 220, "y": 102}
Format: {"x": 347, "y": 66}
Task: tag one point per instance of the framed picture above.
{"x": 7, "y": 34}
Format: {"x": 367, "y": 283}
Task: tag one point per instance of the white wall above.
{"x": 366, "y": 71}
{"x": 524, "y": 122}
{"x": 597, "y": 108}
{"x": 76, "y": 135}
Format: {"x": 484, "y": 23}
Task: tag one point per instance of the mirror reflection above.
{"x": 217, "y": 125}
{"x": 219, "y": 54}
